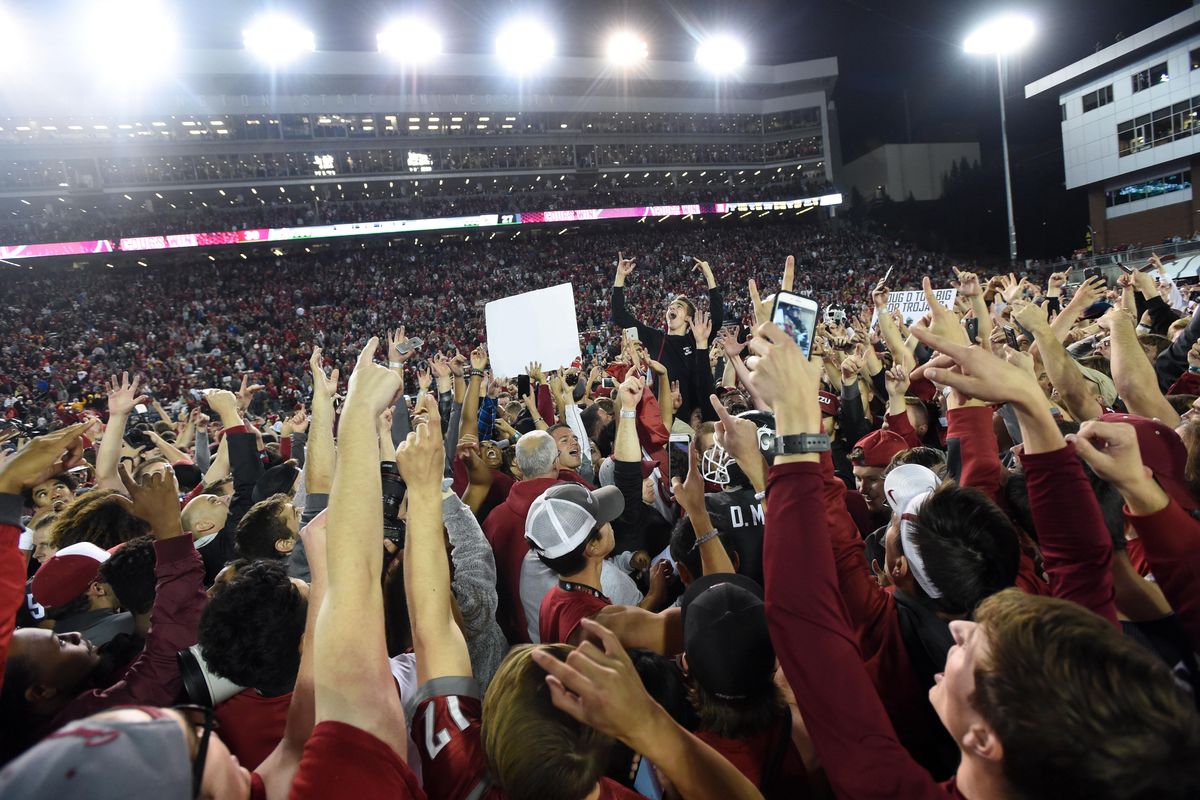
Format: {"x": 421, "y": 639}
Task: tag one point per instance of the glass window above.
{"x": 1194, "y": 59}
{"x": 1177, "y": 182}
{"x": 1100, "y": 97}
{"x": 1150, "y": 77}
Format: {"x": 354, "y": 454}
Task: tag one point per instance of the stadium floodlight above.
{"x": 127, "y": 36}
{"x": 277, "y": 39}
{"x": 13, "y": 50}
{"x": 1000, "y": 36}
{"x": 721, "y": 54}
{"x": 524, "y": 45}
{"x": 412, "y": 40}
{"x": 626, "y": 48}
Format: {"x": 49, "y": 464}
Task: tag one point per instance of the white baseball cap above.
{"x": 907, "y": 481}
{"x": 561, "y": 519}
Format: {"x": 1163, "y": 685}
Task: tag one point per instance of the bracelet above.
{"x": 760, "y": 496}
{"x": 708, "y": 537}
{"x": 627, "y": 414}
{"x": 1193, "y": 369}
{"x": 395, "y": 364}
{"x": 476, "y": 373}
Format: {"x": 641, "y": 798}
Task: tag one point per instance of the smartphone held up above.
{"x": 796, "y": 316}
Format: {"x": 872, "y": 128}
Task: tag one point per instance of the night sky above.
{"x": 887, "y": 50}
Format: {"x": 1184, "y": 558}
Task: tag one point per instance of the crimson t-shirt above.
{"x": 446, "y": 729}
{"x": 252, "y": 725}
{"x": 563, "y": 609}
{"x": 341, "y": 760}
{"x": 753, "y": 756}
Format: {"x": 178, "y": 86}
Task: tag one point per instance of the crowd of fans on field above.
{"x": 944, "y": 551}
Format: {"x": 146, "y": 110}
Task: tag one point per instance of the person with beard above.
{"x": 675, "y": 347}
{"x": 51, "y": 679}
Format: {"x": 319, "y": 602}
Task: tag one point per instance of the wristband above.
{"x": 708, "y": 537}
{"x": 476, "y": 373}
{"x": 627, "y": 414}
{"x": 1194, "y": 369}
{"x": 760, "y": 496}
{"x": 396, "y": 364}
{"x": 801, "y": 443}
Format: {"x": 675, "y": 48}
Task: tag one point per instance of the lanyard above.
{"x": 568, "y": 586}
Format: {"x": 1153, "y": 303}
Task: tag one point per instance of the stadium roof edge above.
{"x": 360, "y": 63}
{"x": 1124, "y": 49}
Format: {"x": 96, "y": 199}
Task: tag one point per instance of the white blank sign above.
{"x": 534, "y": 326}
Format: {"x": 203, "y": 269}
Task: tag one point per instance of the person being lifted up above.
{"x": 675, "y": 347}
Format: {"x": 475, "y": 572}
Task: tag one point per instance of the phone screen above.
{"x": 973, "y": 330}
{"x": 797, "y": 317}
{"x": 679, "y": 460}
{"x": 646, "y": 782}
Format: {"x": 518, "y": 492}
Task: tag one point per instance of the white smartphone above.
{"x": 679, "y": 459}
{"x": 632, "y": 334}
{"x": 797, "y": 317}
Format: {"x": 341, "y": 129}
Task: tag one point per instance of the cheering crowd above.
{"x": 66, "y": 332}
{"x": 949, "y": 553}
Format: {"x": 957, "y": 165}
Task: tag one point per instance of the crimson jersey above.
{"x": 446, "y": 729}
{"x": 562, "y": 611}
{"x": 341, "y": 760}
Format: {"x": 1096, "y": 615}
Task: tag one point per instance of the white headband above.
{"x": 912, "y": 552}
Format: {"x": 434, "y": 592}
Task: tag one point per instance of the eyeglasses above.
{"x": 204, "y": 718}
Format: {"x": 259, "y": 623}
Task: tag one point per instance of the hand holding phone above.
{"x": 797, "y": 317}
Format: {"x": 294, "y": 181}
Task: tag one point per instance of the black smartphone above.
{"x": 523, "y": 388}
{"x": 973, "y": 330}
{"x": 1010, "y": 336}
{"x": 1094, "y": 272}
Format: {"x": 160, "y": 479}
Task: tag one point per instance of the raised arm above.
{"x": 805, "y": 613}
{"x": 1132, "y": 372}
{"x": 1060, "y": 367}
{"x": 690, "y": 496}
{"x": 170, "y": 451}
{"x": 280, "y": 766}
{"x": 892, "y": 336}
{"x": 469, "y": 422}
{"x": 153, "y": 678}
{"x": 662, "y": 392}
{"x": 1087, "y": 293}
{"x": 1073, "y": 537}
{"x": 354, "y": 683}
{"x": 1168, "y": 533}
{"x": 620, "y": 314}
{"x": 122, "y": 397}
{"x": 438, "y": 642}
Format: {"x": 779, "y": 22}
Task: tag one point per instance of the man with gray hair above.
{"x": 537, "y": 458}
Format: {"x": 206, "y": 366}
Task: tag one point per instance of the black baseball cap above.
{"x": 725, "y": 637}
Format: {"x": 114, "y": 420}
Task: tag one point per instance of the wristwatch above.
{"x": 801, "y": 443}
